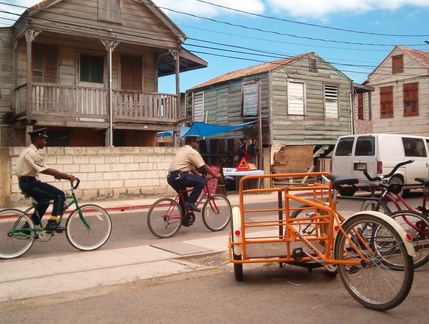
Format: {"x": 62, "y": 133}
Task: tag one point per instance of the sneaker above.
{"x": 192, "y": 206}
{"x": 52, "y": 226}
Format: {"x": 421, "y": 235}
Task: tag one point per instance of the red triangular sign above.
{"x": 243, "y": 165}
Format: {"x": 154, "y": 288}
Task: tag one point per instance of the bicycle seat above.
{"x": 338, "y": 181}
{"x": 424, "y": 181}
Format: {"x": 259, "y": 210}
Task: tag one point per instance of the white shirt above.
{"x": 30, "y": 163}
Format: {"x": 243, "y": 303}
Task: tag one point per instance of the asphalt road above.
{"x": 130, "y": 229}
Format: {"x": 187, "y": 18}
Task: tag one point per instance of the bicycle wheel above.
{"x": 373, "y": 283}
{"x": 216, "y": 212}
{"x": 14, "y": 243}
{"x": 372, "y": 205}
{"x": 418, "y": 227}
{"x": 164, "y": 218}
{"x": 305, "y": 227}
{"x": 88, "y": 228}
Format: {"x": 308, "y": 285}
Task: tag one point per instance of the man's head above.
{"x": 38, "y": 137}
{"x": 192, "y": 140}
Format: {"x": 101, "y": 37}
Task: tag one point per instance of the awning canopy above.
{"x": 203, "y": 129}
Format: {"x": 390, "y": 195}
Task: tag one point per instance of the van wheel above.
{"x": 347, "y": 192}
{"x": 399, "y": 181}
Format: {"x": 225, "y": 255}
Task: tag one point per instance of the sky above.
{"x": 352, "y": 35}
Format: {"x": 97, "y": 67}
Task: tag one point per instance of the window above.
{"x": 44, "y": 63}
{"x": 296, "y": 98}
{"x": 131, "y": 73}
{"x": 365, "y": 146}
{"x": 345, "y": 146}
{"x": 331, "y": 101}
{"x": 312, "y": 65}
{"x": 386, "y": 102}
{"x": 110, "y": 10}
{"x": 414, "y": 147}
{"x": 198, "y": 106}
{"x": 91, "y": 68}
{"x": 250, "y": 99}
{"x": 397, "y": 64}
{"x": 360, "y": 106}
{"x": 411, "y": 99}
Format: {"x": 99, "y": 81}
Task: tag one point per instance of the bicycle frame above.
{"x": 70, "y": 199}
{"x": 326, "y": 227}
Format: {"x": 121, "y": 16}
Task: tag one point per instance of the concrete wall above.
{"x": 105, "y": 172}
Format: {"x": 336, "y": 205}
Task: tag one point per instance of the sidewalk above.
{"x": 26, "y": 278}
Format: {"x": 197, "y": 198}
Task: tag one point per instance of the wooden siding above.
{"x": 414, "y": 71}
{"x": 312, "y": 128}
{"x": 80, "y": 18}
{"x": 6, "y": 86}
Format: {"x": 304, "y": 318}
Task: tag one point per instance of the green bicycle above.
{"x": 87, "y": 228}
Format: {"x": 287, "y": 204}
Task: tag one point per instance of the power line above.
{"x": 307, "y": 24}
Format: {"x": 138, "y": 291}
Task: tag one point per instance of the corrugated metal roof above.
{"x": 421, "y": 56}
{"x": 252, "y": 70}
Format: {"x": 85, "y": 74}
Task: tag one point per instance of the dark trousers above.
{"x": 181, "y": 180}
{"x": 43, "y": 192}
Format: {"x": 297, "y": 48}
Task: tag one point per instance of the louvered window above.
{"x": 397, "y": 64}
{"x": 386, "y": 102}
{"x": 44, "y": 63}
{"x": 331, "y": 101}
{"x": 131, "y": 73}
{"x": 110, "y": 10}
{"x": 198, "y": 106}
{"x": 296, "y": 98}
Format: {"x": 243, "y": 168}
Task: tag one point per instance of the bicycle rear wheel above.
{"x": 372, "y": 282}
{"x": 216, "y": 212}
{"x": 164, "y": 218}
{"x": 417, "y": 226}
{"x": 14, "y": 243}
{"x": 88, "y": 227}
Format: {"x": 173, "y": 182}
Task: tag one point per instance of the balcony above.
{"x": 66, "y": 103}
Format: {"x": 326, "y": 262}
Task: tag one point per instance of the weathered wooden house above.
{"x": 300, "y": 105}
{"x": 397, "y": 96}
{"x": 89, "y": 70}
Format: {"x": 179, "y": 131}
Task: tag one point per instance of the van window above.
{"x": 414, "y": 147}
{"x": 365, "y": 146}
{"x": 344, "y": 147}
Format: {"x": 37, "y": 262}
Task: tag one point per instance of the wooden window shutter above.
{"x": 411, "y": 99}
{"x": 386, "y": 102}
{"x": 131, "y": 73}
{"x": 397, "y": 64}
{"x": 45, "y": 66}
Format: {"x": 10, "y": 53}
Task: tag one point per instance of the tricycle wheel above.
{"x": 238, "y": 268}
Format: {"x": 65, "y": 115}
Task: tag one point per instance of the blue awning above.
{"x": 203, "y": 129}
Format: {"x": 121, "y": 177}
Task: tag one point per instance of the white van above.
{"x": 378, "y": 154}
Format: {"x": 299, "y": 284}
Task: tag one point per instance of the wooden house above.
{"x": 397, "y": 95}
{"x": 300, "y": 106}
{"x": 88, "y": 70}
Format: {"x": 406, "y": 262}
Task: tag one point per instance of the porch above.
{"x": 67, "y": 102}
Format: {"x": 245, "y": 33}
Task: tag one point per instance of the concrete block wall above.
{"x": 105, "y": 172}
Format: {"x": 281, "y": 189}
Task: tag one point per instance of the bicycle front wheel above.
{"x": 375, "y": 206}
{"x": 164, "y": 218}
{"x": 416, "y": 225}
{"x": 216, "y": 212}
{"x": 372, "y": 282}
{"x": 88, "y": 227}
{"x": 13, "y": 241}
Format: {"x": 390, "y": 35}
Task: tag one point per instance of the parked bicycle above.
{"x": 413, "y": 222}
{"x": 87, "y": 228}
{"x": 166, "y": 215}
{"x": 376, "y": 269}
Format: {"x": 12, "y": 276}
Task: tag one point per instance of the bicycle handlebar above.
{"x": 380, "y": 178}
{"x": 76, "y": 184}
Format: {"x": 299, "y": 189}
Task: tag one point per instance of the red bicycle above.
{"x": 166, "y": 215}
{"x": 414, "y": 221}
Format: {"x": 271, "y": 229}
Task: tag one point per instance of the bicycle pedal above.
{"x": 298, "y": 254}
